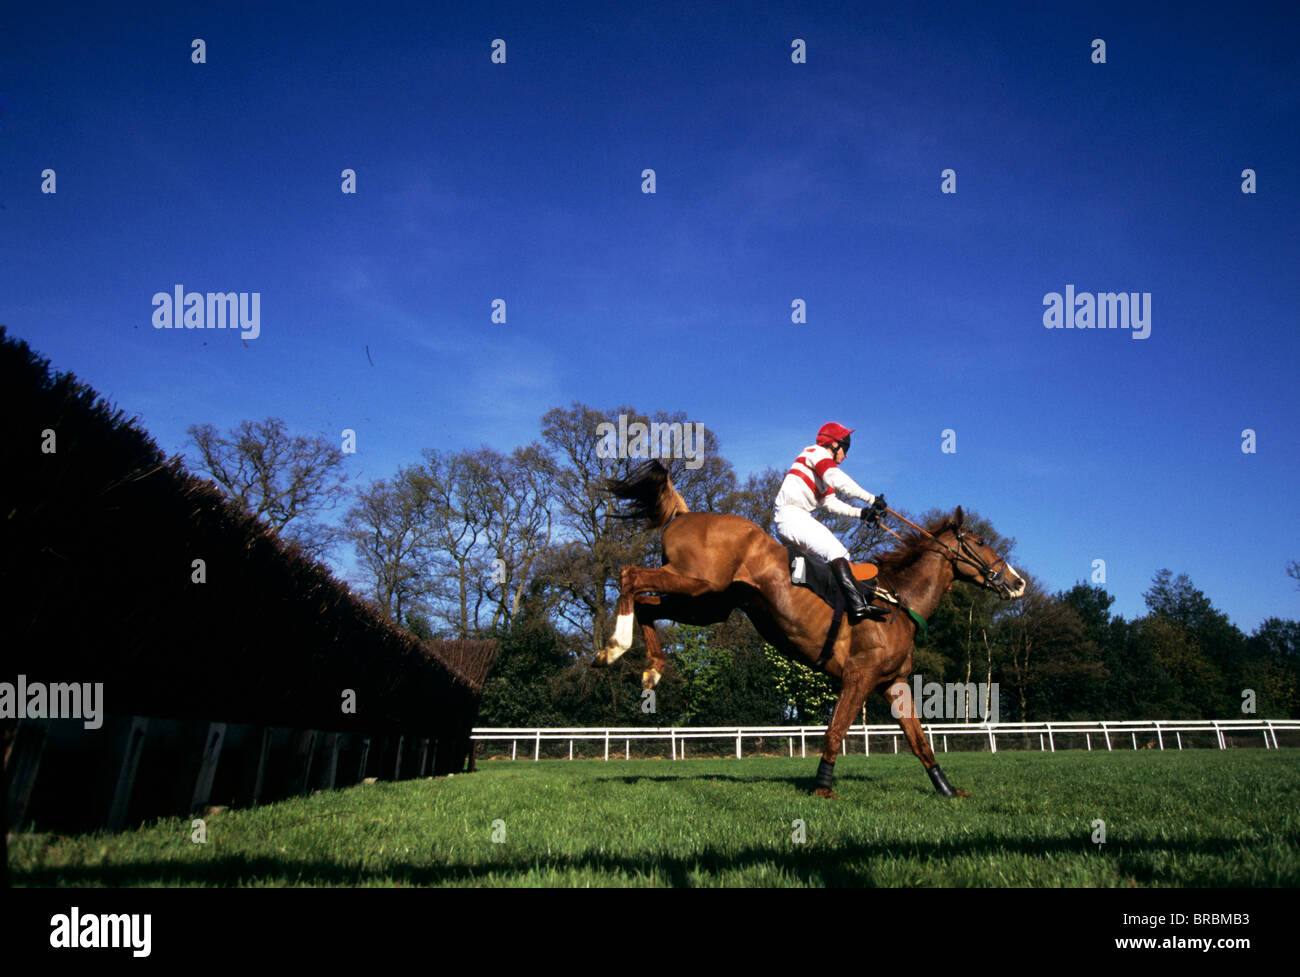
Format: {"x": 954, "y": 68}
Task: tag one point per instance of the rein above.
{"x": 992, "y": 576}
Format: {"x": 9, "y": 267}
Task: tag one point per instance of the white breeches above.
{"x": 794, "y": 525}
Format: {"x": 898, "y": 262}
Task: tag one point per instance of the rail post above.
{"x": 126, "y": 773}
{"x": 208, "y": 766}
{"x": 26, "y": 747}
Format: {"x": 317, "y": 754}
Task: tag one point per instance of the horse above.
{"x": 714, "y": 563}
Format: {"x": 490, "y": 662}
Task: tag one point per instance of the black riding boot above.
{"x": 858, "y": 606}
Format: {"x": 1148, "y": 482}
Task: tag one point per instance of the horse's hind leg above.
{"x": 642, "y": 580}
{"x": 655, "y": 657}
{"x": 709, "y": 609}
{"x": 621, "y": 640}
{"x": 904, "y": 708}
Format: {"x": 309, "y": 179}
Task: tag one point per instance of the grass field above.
{"x": 1195, "y": 818}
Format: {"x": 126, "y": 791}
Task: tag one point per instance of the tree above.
{"x": 577, "y": 568}
{"x": 1176, "y": 599}
{"x": 1054, "y": 671}
{"x": 807, "y": 697}
{"x": 390, "y": 527}
{"x": 1272, "y": 670}
{"x": 754, "y": 499}
{"x": 1277, "y": 639}
{"x": 284, "y": 481}
{"x": 518, "y": 497}
{"x": 1136, "y": 686}
{"x": 1198, "y": 684}
{"x": 459, "y": 513}
{"x": 1092, "y": 605}
{"x": 518, "y": 691}
{"x": 456, "y": 536}
{"x": 726, "y": 678}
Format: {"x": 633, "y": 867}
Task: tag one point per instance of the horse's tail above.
{"x": 649, "y": 493}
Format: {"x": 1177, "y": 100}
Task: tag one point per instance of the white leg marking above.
{"x": 622, "y": 639}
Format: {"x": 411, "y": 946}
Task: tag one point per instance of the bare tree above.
{"x": 460, "y": 516}
{"x": 391, "y": 528}
{"x": 286, "y": 481}
{"x": 580, "y": 567}
{"x": 456, "y": 537}
{"x": 518, "y": 489}
{"x": 755, "y": 498}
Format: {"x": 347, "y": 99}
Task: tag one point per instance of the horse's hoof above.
{"x": 826, "y": 792}
{"x": 649, "y": 679}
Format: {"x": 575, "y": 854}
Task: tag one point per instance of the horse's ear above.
{"x": 961, "y": 517}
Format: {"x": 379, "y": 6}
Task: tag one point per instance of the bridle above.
{"x": 992, "y": 574}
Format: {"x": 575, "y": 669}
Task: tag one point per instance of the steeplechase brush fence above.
{"x": 229, "y": 666}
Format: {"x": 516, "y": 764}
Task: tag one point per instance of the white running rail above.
{"x": 1161, "y": 733}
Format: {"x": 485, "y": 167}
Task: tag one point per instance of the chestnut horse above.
{"x": 714, "y": 563}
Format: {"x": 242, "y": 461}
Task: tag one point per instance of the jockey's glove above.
{"x": 868, "y": 515}
{"x": 879, "y": 505}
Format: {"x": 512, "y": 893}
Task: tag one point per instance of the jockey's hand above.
{"x": 868, "y": 515}
{"x": 879, "y": 505}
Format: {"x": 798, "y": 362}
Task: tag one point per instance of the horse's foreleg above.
{"x": 852, "y": 695}
{"x": 904, "y": 710}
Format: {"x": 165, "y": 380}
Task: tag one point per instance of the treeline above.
{"x": 521, "y": 545}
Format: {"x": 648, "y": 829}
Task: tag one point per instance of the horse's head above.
{"x": 976, "y": 561}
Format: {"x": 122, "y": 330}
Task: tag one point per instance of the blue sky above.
{"x": 775, "y": 181}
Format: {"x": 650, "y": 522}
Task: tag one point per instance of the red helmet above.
{"x": 834, "y": 432}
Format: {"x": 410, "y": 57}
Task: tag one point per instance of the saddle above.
{"x": 814, "y": 573}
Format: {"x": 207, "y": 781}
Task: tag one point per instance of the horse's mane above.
{"x": 649, "y": 494}
{"x": 913, "y": 546}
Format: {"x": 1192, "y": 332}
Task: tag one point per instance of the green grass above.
{"x": 1195, "y": 818}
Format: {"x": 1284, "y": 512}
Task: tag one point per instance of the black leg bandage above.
{"x": 825, "y": 774}
{"x": 941, "y": 782}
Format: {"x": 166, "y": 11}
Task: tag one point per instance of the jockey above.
{"x": 812, "y": 483}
